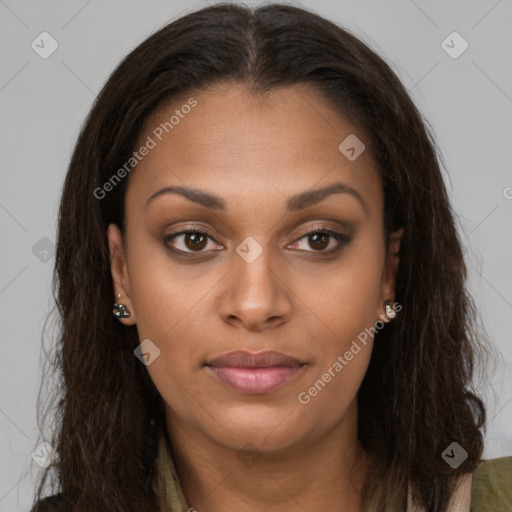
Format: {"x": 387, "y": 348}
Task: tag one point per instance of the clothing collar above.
{"x": 170, "y": 493}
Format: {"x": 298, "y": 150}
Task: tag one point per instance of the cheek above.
{"x": 333, "y": 387}
{"x": 166, "y": 295}
{"x": 342, "y": 305}
{"x": 344, "y": 312}
{"x": 343, "y": 299}
{"x": 164, "y": 309}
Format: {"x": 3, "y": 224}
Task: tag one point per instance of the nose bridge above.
{"x": 256, "y": 293}
{"x": 253, "y": 271}
{"x": 252, "y": 267}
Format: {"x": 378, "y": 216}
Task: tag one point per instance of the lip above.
{"x": 254, "y": 373}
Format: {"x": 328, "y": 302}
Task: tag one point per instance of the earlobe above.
{"x": 122, "y": 307}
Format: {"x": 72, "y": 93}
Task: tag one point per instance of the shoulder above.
{"x": 51, "y": 504}
{"x": 492, "y": 486}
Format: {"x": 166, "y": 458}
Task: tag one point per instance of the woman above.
{"x": 291, "y": 329}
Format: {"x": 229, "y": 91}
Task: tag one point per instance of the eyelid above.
{"x": 341, "y": 238}
{"x": 184, "y": 231}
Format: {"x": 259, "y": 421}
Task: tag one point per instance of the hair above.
{"x": 417, "y": 396}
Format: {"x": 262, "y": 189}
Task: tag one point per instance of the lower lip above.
{"x": 254, "y": 380}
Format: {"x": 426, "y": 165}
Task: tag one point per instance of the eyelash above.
{"x": 341, "y": 238}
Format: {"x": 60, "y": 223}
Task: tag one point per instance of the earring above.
{"x": 390, "y": 310}
{"x": 120, "y": 310}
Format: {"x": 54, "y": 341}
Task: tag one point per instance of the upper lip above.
{"x": 242, "y": 359}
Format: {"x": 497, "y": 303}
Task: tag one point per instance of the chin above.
{"x": 265, "y": 426}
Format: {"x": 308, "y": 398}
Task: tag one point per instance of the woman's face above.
{"x": 253, "y": 175}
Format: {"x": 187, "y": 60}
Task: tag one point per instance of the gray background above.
{"x": 467, "y": 101}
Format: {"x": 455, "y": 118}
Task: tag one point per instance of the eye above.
{"x": 191, "y": 240}
{"x": 321, "y": 240}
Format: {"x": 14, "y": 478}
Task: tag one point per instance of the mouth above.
{"x": 254, "y": 373}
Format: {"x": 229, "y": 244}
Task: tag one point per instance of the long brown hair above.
{"x": 417, "y": 396}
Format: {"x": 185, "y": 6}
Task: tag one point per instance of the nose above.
{"x": 256, "y": 296}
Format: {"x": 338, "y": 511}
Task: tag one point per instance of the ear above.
{"x": 389, "y": 273}
{"x": 119, "y": 271}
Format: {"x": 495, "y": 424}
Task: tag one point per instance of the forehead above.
{"x": 231, "y": 141}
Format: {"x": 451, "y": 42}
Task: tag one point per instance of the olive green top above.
{"x": 492, "y": 486}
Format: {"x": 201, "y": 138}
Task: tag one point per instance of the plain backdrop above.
{"x": 466, "y": 98}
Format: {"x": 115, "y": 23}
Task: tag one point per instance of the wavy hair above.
{"x": 417, "y": 396}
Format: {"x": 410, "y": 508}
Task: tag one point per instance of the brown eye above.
{"x": 190, "y": 241}
{"x": 322, "y": 241}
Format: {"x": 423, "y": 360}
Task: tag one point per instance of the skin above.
{"x": 254, "y": 152}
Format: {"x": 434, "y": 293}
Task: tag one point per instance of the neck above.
{"x": 322, "y": 473}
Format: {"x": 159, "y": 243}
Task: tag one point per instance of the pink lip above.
{"x": 254, "y": 373}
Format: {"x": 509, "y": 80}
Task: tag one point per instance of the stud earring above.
{"x": 390, "y": 310}
{"x": 120, "y": 310}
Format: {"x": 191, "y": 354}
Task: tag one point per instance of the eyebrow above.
{"x": 294, "y": 203}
